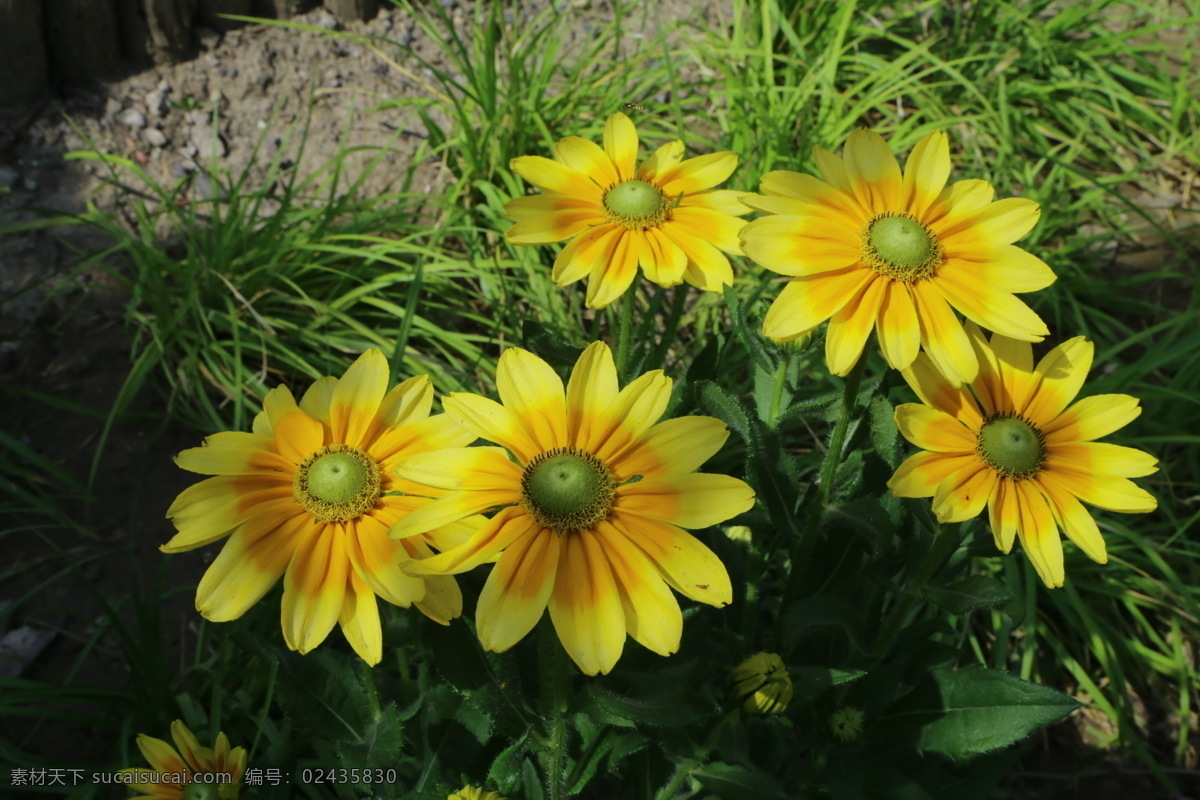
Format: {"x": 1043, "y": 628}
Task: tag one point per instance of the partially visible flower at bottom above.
{"x": 763, "y": 683}
{"x": 847, "y": 724}
{"x": 188, "y": 771}
{"x": 470, "y": 792}
{"x": 1013, "y": 441}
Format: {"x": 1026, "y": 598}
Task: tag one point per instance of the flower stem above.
{"x": 372, "y": 693}
{"x": 679, "y": 296}
{"x": 945, "y": 542}
{"x": 623, "y": 337}
{"x": 837, "y": 441}
{"x": 777, "y": 394}
{"x": 555, "y": 693}
{"x": 685, "y": 768}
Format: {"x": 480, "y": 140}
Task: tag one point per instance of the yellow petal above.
{"x": 160, "y": 755}
{"x": 1005, "y": 379}
{"x": 357, "y": 397}
{"x": 688, "y": 566}
{"x": 926, "y": 172}
{"x": 1039, "y": 534}
{"x": 233, "y": 453}
{"x": 554, "y": 176}
{"x": 696, "y": 174}
{"x": 799, "y": 246}
{"x": 957, "y": 202}
{"x": 1005, "y": 221}
{"x": 489, "y": 420}
{"x": 817, "y": 197}
{"x": 833, "y": 172}
{"x": 661, "y": 260}
{"x": 1102, "y": 491}
{"x": 1076, "y": 522}
{"x": 703, "y": 257}
{"x": 990, "y": 307}
{"x": 636, "y": 408}
{"x": 614, "y": 271}
{"x": 187, "y": 745}
{"x": 694, "y": 500}
{"x": 314, "y": 587}
{"x": 247, "y": 567}
{"x": 276, "y": 403}
{"x": 432, "y": 433}
{"x": 942, "y": 335}
{"x": 407, "y": 402}
{"x": 652, "y": 615}
{"x": 469, "y": 468}
{"x": 673, "y": 446}
{"x": 591, "y": 392}
{"x": 922, "y": 473}
{"x": 549, "y": 218}
{"x": 931, "y": 429}
{"x": 621, "y": 144}
{"x": 443, "y": 599}
{"x": 897, "y": 325}
{"x": 806, "y": 302}
{"x": 937, "y": 391}
{"x": 1058, "y": 378}
{"x": 1004, "y": 266}
{"x": 209, "y": 510}
{"x": 851, "y": 325}
{"x": 873, "y": 172}
{"x": 588, "y": 159}
{"x": 1099, "y": 458}
{"x": 585, "y": 605}
{"x": 1004, "y": 514}
{"x": 963, "y": 495}
{"x": 725, "y": 201}
{"x": 450, "y": 508}
{"x": 516, "y": 591}
{"x": 508, "y": 526}
{"x": 378, "y": 560}
{"x": 359, "y": 620}
{"x": 719, "y": 230}
{"x": 579, "y": 257}
{"x": 1092, "y": 418}
{"x": 664, "y": 158}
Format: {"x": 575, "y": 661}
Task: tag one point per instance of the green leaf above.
{"x": 810, "y": 682}
{"x": 973, "y": 710}
{"x": 884, "y": 433}
{"x": 541, "y": 342}
{"x": 505, "y": 774}
{"x": 738, "y": 783}
{"x": 670, "y": 709}
{"x": 970, "y": 594}
{"x": 749, "y": 338}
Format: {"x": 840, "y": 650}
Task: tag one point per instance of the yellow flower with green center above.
{"x": 187, "y": 771}
{"x": 871, "y": 248}
{"x": 592, "y": 506}
{"x": 469, "y": 792}
{"x": 309, "y": 496}
{"x": 664, "y": 215}
{"x": 763, "y": 684}
{"x": 1012, "y": 440}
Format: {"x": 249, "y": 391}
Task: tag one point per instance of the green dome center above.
{"x": 636, "y": 201}
{"x": 567, "y": 489}
{"x": 899, "y": 247}
{"x": 337, "y": 483}
{"x": 1012, "y": 447}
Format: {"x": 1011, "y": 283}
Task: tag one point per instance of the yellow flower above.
{"x": 1016, "y": 443}
{"x": 469, "y": 792}
{"x": 187, "y": 771}
{"x": 310, "y": 495}
{"x": 764, "y": 684}
{"x": 664, "y": 215}
{"x": 592, "y": 510}
{"x": 869, "y": 247}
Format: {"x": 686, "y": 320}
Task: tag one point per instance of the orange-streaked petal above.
{"x": 1076, "y": 521}
{"x": 926, "y": 172}
{"x": 935, "y": 390}
{"x": 614, "y": 271}
{"x": 922, "y": 473}
{"x": 532, "y": 389}
{"x": 693, "y": 500}
{"x": 1102, "y": 491}
{"x": 359, "y": 620}
{"x": 469, "y": 468}
{"x": 1092, "y": 418}
{"x": 719, "y": 230}
{"x": 585, "y": 605}
{"x": 991, "y": 307}
{"x": 958, "y": 201}
{"x": 799, "y": 246}
{"x": 579, "y": 257}
{"x": 851, "y": 325}
{"x": 931, "y": 429}
{"x": 508, "y": 526}
{"x": 378, "y": 560}
{"x": 897, "y": 325}
{"x": 873, "y": 172}
{"x": 673, "y": 446}
{"x": 708, "y": 268}
{"x": 451, "y": 508}
{"x": 817, "y": 197}
{"x": 234, "y": 453}
{"x": 726, "y": 201}
{"x": 247, "y": 567}
{"x": 1100, "y": 458}
{"x": 357, "y": 397}
{"x": 621, "y": 144}
{"x": 805, "y": 302}
{"x": 634, "y": 411}
{"x": 589, "y": 159}
{"x": 1039, "y": 534}
{"x": 591, "y": 392}
{"x": 963, "y": 495}
{"x": 688, "y": 566}
{"x": 549, "y": 218}
{"x": 652, "y": 615}
{"x": 942, "y": 335}
{"x": 696, "y": 174}
{"x": 1004, "y": 514}
{"x": 314, "y": 587}
{"x": 1058, "y": 378}
{"x": 492, "y": 421}
{"x": 557, "y": 177}
{"x": 517, "y": 590}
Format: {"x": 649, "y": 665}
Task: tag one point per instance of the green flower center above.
{"x": 201, "y": 791}
{"x": 337, "y": 483}
{"x": 897, "y": 246}
{"x": 1012, "y": 447}
{"x": 636, "y": 205}
{"x": 567, "y": 489}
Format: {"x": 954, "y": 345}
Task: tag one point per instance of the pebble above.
{"x": 154, "y": 137}
{"x": 156, "y": 101}
{"x": 8, "y": 177}
{"x": 132, "y": 117}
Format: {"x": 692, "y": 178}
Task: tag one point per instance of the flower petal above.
{"x": 806, "y": 302}
{"x": 357, "y": 397}
{"x": 943, "y": 337}
{"x": 652, "y": 615}
{"x": 377, "y": 562}
{"x": 508, "y": 526}
{"x": 359, "y": 620}
{"x": 1004, "y": 514}
{"x": 621, "y": 144}
{"x": 688, "y": 566}
{"x": 489, "y": 420}
{"x": 958, "y": 201}
{"x": 531, "y": 388}
{"x": 450, "y": 508}
{"x": 211, "y": 509}
{"x": 726, "y": 201}
{"x": 897, "y": 325}
{"x": 990, "y": 307}
{"x": 817, "y": 197}
{"x": 963, "y": 495}
{"x": 851, "y": 325}
{"x": 873, "y": 172}
{"x": 673, "y": 446}
{"x": 234, "y": 453}
{"x": 549, "y": 218}
{"x": 696, "y": 174}
{"x": 591, "y": 391}
{"x": 636, "y": 408}
{"x": 1102, "y": 491}
{"x": 1092, "y": 418}
{"x": 614, "y": 271}
{"x": 937, "y": 391}
{"x": 1076, "y": 522}
{"x": 469, "y": 468}
{"x": 1058, "y": 378}
{"x": 1100, "y": 458}
{"x": 926, "y": 172}
{"x": 704, "y": 258}
{"x": 932, "y": 429}
{"x": 1039, "y": 534}
{"x": 585, "y": 605}
{"x": 694, "y": 500}
{"x": 588, "y": 159}
{"x": 664, "y": 158}
{"x": 314, "y": 588}
{"x": 557, "y": 177}
{"x": 922, "y": 473}
{"x": 719, "y": 230}
{"x": 247, "y": 567}
{"x": 516, "y": 591}
{"x": 799, "y": 246}
{"x": 579, "y": 257}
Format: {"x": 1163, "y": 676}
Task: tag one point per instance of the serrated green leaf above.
{"x": 505, "y": 773}
{"x": 738, "y": 783}
{"x": 970, "y": 594}
{"x": 729, "y": 409}
{"x": 672, "y": 709}
{"x": 379, "y": 744}
{"x": 749, "y": 338}
{"x": 532, "y": 782}
{"x": 885, "y": 436}
{"x": 554, "y": 350}
{"x": 973, "y": 710}
{"x": 809, "y": 683}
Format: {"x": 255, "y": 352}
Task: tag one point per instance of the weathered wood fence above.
{"x": 44, "y": 42}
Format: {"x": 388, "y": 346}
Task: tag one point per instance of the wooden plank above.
{"x": 170, "y": 24}
{"x": 23, "y": 73}
{"x": 351, "y": 10}
{"x": 282, "y": 9}
{"x": 81, "y": 38}
{"x": 211, "y": 11}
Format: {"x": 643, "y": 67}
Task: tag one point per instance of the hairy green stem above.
{"x": 623, "y": 333}
{"x": 945, "y": 542}
{"x": 679, "y": 298}
{"x": 555, "y": 680}
{"x": 777, "y": 393}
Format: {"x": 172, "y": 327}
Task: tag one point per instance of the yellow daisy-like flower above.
{"x": 869, "y": 247}
{"x": 763, "y": 683}
{"x": 592, "y": 507}
{"x": 663, "y": 215}
{"x": 470, "y": 792}
{"x": 1014, "y": 441}
{"x": 310, "y": 495}
{"x": 187, "y": 771}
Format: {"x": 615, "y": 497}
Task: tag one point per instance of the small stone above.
{"x": 323, "y": 19}
{"x": 132, "y": 117}
{"x": 8, "y": 177}
{"x": 154, "y": 137}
